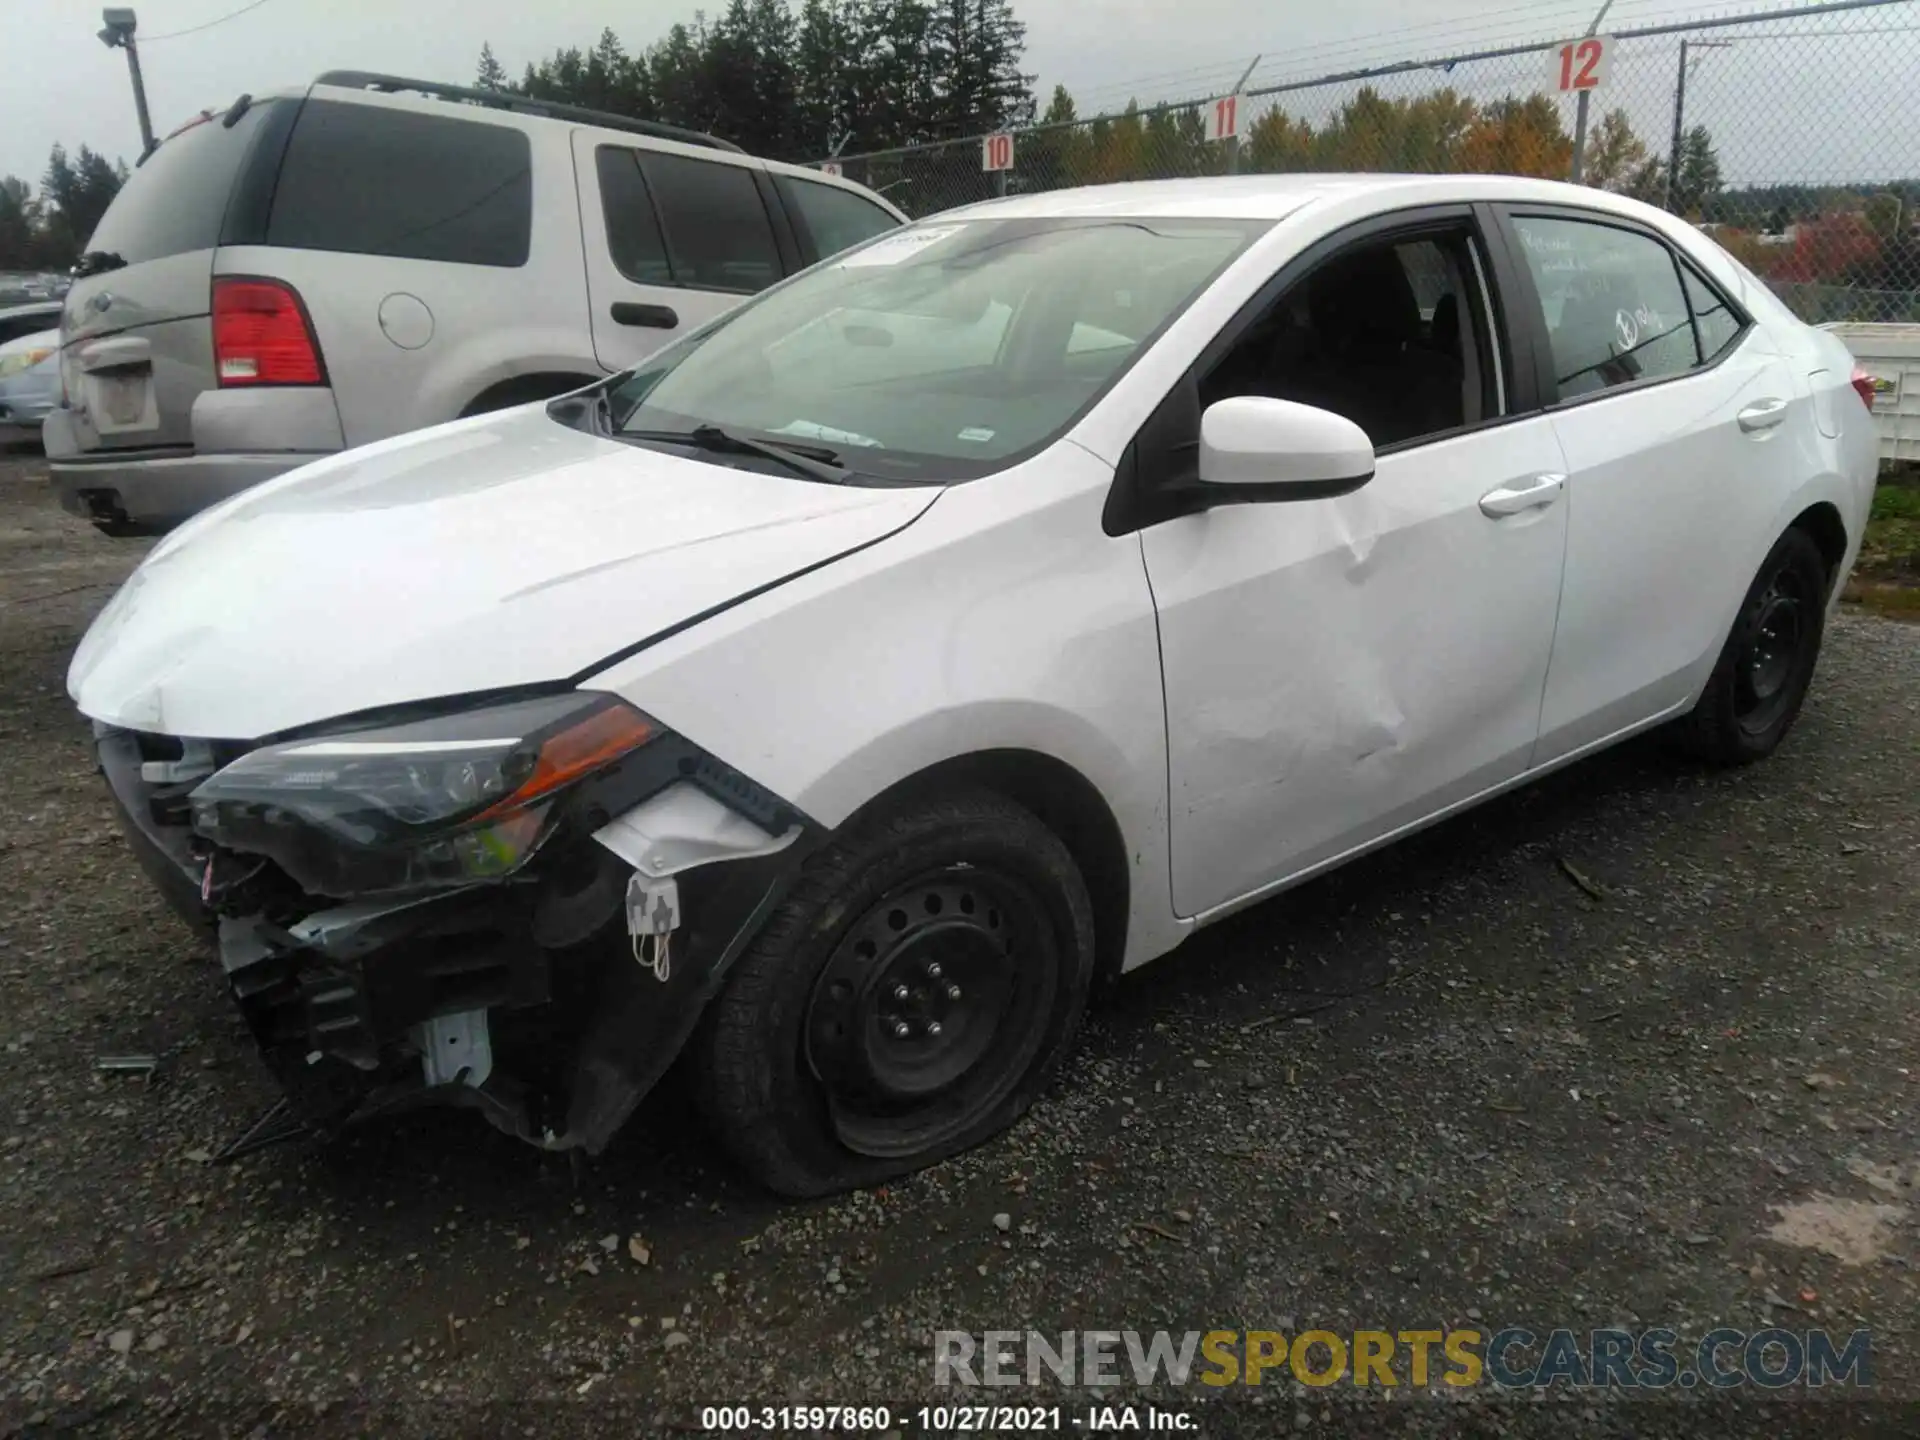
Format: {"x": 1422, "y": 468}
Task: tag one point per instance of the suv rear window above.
{"x": 378, "y": 181}
{"x": 174, "y": 202}
{"x": 717, "y": 230}
{"x": 831, "y": 218}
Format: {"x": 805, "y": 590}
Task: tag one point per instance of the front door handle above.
{"x": 1762, "y": 415}
{"x": 655, "y": 317}
{"x": 1533, "y": 494}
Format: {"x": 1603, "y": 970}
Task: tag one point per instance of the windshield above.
{"x": 940, "y": 352}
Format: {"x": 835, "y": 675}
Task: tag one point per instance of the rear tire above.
{"x": 1761, "y": 680}
{"x": 908, "y": 999}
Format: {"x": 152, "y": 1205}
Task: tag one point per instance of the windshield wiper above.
{"x": 816, "y": 462}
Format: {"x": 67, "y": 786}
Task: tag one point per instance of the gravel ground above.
{"x": 1636, "y": 1047}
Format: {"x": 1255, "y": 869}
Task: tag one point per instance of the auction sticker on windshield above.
{"x": 901, "y": 245}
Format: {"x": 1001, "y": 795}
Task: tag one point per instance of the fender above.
{"x": 1050, "y": 644}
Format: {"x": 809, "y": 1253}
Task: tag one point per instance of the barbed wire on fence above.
{"x": 1791, "y": 134}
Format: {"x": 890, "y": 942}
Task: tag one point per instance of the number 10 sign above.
{"x": 1582, "y": 64}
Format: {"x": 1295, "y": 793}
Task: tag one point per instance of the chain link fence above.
{"x": 1792, "y": 136}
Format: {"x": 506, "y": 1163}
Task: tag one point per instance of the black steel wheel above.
{"x": 907, "y": 1001}
{"x": 1771, "y": 646}
{"x": 930, "y": 1007}
{"x": 1761, "y": 680}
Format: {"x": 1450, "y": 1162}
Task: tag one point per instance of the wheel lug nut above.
{"x": 901, "y": 1029}
{"x": 933, "y": 1027}
{"x": 933, "y": 971}
{"x": 900, "y": 992}
{"x": 953, "y": 992}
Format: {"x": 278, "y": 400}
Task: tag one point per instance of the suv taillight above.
{"x": 1863, "y": 386}
{"x": 261, "y": 335}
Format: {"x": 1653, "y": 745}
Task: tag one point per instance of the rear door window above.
{"x": 831, "y": 219}
{"x": 634, "y": 240}
{"x": 1716, "y": 321}
{"x": 717, "y": 231}
{"x": 1614, "y": 309}
{"x": 173, "y": 203}
{"x": 380, "y": 181}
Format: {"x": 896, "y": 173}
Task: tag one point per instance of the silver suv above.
{"x": 327, "y": 267}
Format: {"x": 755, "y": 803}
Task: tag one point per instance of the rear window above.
{"x": 174, "y": 202}
{"x": 832, "y": 218}
{"x": 375, "y": 181}
{"x": 717, "y": 231}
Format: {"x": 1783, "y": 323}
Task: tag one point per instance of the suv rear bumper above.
{"x": 158, "y": 491}
{"x": 241, "y": 437}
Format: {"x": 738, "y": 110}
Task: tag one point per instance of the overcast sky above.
{"x": 1772, "y": 104}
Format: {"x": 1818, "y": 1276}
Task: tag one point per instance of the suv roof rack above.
{"x": 525, "y": 105}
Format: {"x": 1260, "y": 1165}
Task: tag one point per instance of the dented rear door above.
{"x": 1337, "y": 670}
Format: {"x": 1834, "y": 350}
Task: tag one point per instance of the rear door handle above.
{"x": 1534, "y": 494}
{"x": 656, "y": 317}
{"x": 1762, "y": 415}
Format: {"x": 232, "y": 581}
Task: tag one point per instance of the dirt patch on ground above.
{"x": 1854, "y": 1232}
{"x": 1448, "y": 1086}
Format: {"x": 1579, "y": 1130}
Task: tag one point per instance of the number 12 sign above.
{"x": 1582, "y": 64}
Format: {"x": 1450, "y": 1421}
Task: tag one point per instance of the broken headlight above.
{"x": 442, "y": 802}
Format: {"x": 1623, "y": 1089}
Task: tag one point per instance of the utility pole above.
{"x": 120, "y": 25}
{"x": 1233, "y": 145}
{"x": 1679, "y": 112}
{"x": 1580, "y": 109}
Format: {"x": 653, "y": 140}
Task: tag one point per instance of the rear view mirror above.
{"x": 1254, "y": 448}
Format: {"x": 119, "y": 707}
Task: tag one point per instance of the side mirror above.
{"x": 1253, "y": 448}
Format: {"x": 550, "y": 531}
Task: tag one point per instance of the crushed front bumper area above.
{"x": 525, "y": 998}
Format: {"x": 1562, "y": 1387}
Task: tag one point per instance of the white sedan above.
{"x": 835, "y": 697}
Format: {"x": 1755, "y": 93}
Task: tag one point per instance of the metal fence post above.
{"x": 1580, "y": 109}
{"x": 1233, "y": 145}
{"x": 1679, "y": 111}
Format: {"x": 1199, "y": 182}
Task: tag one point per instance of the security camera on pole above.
{"x": 118, "y": 34}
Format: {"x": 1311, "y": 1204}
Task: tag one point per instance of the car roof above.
{"x": 1271, "y": 197}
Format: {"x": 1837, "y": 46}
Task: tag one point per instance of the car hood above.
{"x": 502, "y": 551}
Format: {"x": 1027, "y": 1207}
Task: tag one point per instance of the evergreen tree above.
{"x": 824, "y": 60}
{"x": 1614, "y": 155}
{"x": 676, "y": 69}
{"x": 794, "y": 78}
{"x": 896, "y": 85}
{"x": 974, "y": 48}
{"x": 75, "y": 194}
{"x": 1697, "y": 176}
{"x": 1059, "y": 153}
{"x": 492, "y": 75}
{"x": 20, "y": 244}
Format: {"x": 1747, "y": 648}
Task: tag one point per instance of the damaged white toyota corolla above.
{"x": 833, "y": 699}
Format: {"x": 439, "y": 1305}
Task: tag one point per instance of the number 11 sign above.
{"x": 1223, "y": 117}
{"x": 1582, "y": 64}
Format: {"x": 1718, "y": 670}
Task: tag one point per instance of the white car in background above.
{"x": 29, "y": 384}
{"x": 835, "y": 695}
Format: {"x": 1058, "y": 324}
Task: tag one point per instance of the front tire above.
{"x": 908, "y": 999}
{"x": 1761, "y": 680}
